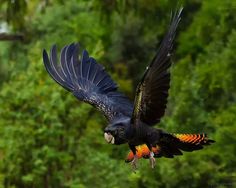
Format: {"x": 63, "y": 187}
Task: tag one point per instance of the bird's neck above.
{"x": 130, "y": 132}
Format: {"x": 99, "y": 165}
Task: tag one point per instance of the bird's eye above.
{"x": 113, "y": 132}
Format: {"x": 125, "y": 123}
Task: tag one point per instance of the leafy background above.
{"x": 49, "y": 139}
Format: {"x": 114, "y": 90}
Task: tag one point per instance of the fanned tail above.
{"x": 171, "y": 145}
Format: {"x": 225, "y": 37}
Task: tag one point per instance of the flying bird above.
{"x": 128, "y": 123}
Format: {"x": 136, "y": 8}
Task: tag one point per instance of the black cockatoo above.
{"x": 129, "y": 122}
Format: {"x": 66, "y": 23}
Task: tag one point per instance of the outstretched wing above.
{"x": 152, "y": 91}
{"x": 87, "y": 80}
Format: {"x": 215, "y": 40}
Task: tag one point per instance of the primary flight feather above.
{"x": 128, "y": 122}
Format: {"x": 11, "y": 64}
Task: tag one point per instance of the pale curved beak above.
{"x": 109, "y": 138}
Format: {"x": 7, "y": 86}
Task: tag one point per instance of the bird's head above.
{"x": 116, "y": 132}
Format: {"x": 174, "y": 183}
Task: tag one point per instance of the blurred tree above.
{"x": 49, "y": 139}
{"x": 13, "y": 12}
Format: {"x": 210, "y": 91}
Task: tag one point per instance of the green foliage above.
{"x": 14, "y": 12}
{"x": 49, "y": 139}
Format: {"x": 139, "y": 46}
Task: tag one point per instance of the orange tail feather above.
{"x": 194, "y": 138}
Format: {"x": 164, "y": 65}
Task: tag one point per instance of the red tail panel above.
{"x": 193, "y": 138}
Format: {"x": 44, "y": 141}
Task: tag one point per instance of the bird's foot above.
{"x": 152, "y": 160}
{"x": 134, "y": 163}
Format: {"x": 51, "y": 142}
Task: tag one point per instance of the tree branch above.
{"x": 10, "y": 37}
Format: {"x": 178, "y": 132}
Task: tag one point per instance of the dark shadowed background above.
{"x": 49, "y": 139}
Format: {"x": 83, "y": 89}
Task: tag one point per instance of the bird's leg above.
{"x": 134, "y": 163}
{"x": 152, "y": 160}
{"x": 135, "y": 160}
{"x": 151, "y": 157}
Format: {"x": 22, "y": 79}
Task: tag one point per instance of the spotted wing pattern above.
{"x": 87, "y": 80}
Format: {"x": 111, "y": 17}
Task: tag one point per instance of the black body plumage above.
{"x": 128, "y": 123}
